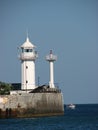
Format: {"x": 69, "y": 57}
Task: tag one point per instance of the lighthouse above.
{"x": 28, "y": 56}
{"x": 51, "y": 58}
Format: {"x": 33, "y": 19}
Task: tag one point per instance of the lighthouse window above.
{"x": 28, "y": 50}
{"x": 26, "y": 67}
{"x": 22, "y": 50}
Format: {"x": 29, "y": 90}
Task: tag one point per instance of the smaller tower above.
{"x": 51, "y": 58}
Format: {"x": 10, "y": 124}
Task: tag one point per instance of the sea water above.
{"x": 83, "y": 117}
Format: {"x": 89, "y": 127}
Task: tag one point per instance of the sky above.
{"x": 69, "y": 28}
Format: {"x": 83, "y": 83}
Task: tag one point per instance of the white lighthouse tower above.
{"x": 28, "y": 56}
{"x": 51, "y": 58}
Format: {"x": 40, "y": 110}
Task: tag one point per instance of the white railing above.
{"x": 51, "y": 57}
{"x": 28, "y": 57}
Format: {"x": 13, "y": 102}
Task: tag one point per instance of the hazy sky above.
{"x": 69, "y": 28}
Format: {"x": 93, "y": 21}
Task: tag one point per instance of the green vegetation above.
{"x": 5, "y": 88}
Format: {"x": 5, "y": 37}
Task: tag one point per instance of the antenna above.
{"x": 27, "y": 32}
{"x": 27, "y": 35}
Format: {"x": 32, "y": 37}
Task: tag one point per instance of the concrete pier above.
{"x": 31, "y": 105}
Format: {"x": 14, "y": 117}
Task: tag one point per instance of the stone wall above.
{"x": 31, "y": 105}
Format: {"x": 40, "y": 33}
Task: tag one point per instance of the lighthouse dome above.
{"x": 27, "y": 44}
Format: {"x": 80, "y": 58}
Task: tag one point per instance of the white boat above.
{"x": 71, "y": 106}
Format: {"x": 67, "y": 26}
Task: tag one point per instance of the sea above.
{"x": 83, "y": 117}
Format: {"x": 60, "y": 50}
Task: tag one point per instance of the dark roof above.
{"x": 16, "y": 86}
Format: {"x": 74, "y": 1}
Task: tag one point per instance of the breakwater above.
{"x": 31, "y": 105}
